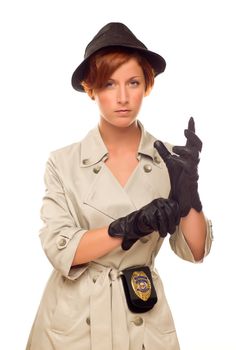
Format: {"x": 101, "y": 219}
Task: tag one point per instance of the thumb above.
{"x": 161, "y": 148}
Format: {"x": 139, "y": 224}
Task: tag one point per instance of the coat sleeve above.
{"x": 60, "y": 234}
{"x": 181, "y": 248}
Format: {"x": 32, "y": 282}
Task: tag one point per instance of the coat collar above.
{"x": 93, "y": 149}
{"x": 146, "y": 145}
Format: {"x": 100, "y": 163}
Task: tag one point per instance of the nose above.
{"x": 122, "y": 95}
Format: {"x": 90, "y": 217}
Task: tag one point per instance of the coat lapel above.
{"x": 148, "y": 181}
{"x": 107, "y": 195}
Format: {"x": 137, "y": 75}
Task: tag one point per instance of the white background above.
{"x": 42, "y": 42}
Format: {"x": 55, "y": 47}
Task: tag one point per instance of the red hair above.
{"x": 104, "y": 63}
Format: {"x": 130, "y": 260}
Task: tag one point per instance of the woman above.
{"x": 110, "y": 201}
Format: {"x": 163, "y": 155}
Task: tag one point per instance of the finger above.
{"x": 193, "y": 140}
{"x": 172, "y": 160}
{"x": 172, "y": 215}
{"x": 160, "y": 217}
{"x": 127, "y": 244}
{"x": 191, "y": 124}
{"x": 161, "y": 148}
{"x": 191, "y": 127}
{"x": 186, "y": 152}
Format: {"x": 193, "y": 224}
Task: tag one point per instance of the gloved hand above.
{"x": 159, "y": 215}
{"x": 183, "y": 170}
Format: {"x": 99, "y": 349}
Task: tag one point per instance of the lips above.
{"x": 122, "y": 110}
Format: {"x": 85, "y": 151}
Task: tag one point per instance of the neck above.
{"x": 120, "y": 138}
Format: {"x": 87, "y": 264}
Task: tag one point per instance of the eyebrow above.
{"x": 132, "y": 77}
{"x": 136, "y": 76}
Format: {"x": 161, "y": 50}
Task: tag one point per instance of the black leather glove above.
{"x": 160, "y": 215}
{"x": 183, "y": 170}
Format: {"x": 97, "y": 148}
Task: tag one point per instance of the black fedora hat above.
{"x": 115, "y": 34}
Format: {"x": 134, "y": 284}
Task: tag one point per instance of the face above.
{"x": 119, "y": 101}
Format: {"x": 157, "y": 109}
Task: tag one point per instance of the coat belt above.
{"x": 108, "y": 317}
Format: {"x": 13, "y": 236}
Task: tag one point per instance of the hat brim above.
{"x": 156, "y": 61}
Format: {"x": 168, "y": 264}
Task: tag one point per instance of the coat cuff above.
{"x": 181, "y": 247}
{"x": 61, "y": 253}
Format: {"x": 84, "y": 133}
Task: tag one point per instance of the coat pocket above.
{"x": 160, "y": 330}
{"x": 72, "y": 305}
{"x": 161, "y": 320}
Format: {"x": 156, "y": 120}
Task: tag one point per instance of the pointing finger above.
{"x": 192, "y": 140}
{"x": 191, "y": 124}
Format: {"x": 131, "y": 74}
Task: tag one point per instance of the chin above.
{"x": 125, "y": 122}
{"x": 122, "y": 122}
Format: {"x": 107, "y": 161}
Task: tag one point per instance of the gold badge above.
{"x": 141, "y": 285}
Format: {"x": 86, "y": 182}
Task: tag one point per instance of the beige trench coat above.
{"x": 84, "y": 307}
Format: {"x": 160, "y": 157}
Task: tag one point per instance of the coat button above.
{"x": 147, "y": 168}
{"x": 144, "y": 239}
{"x": 157, "y": 160}
{"x": 97, "y": 169}
{"x": 88, "y": 321}
{"x": 62, "y": 242}
{"x": 138, "y": 321}
{"x": 85, "y": 161}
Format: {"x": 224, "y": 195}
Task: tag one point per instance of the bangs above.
{"x": 105, "y": 62}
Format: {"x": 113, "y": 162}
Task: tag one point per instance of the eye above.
{"x": 109, "y": 84}
{"x": 134, "y": 82}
